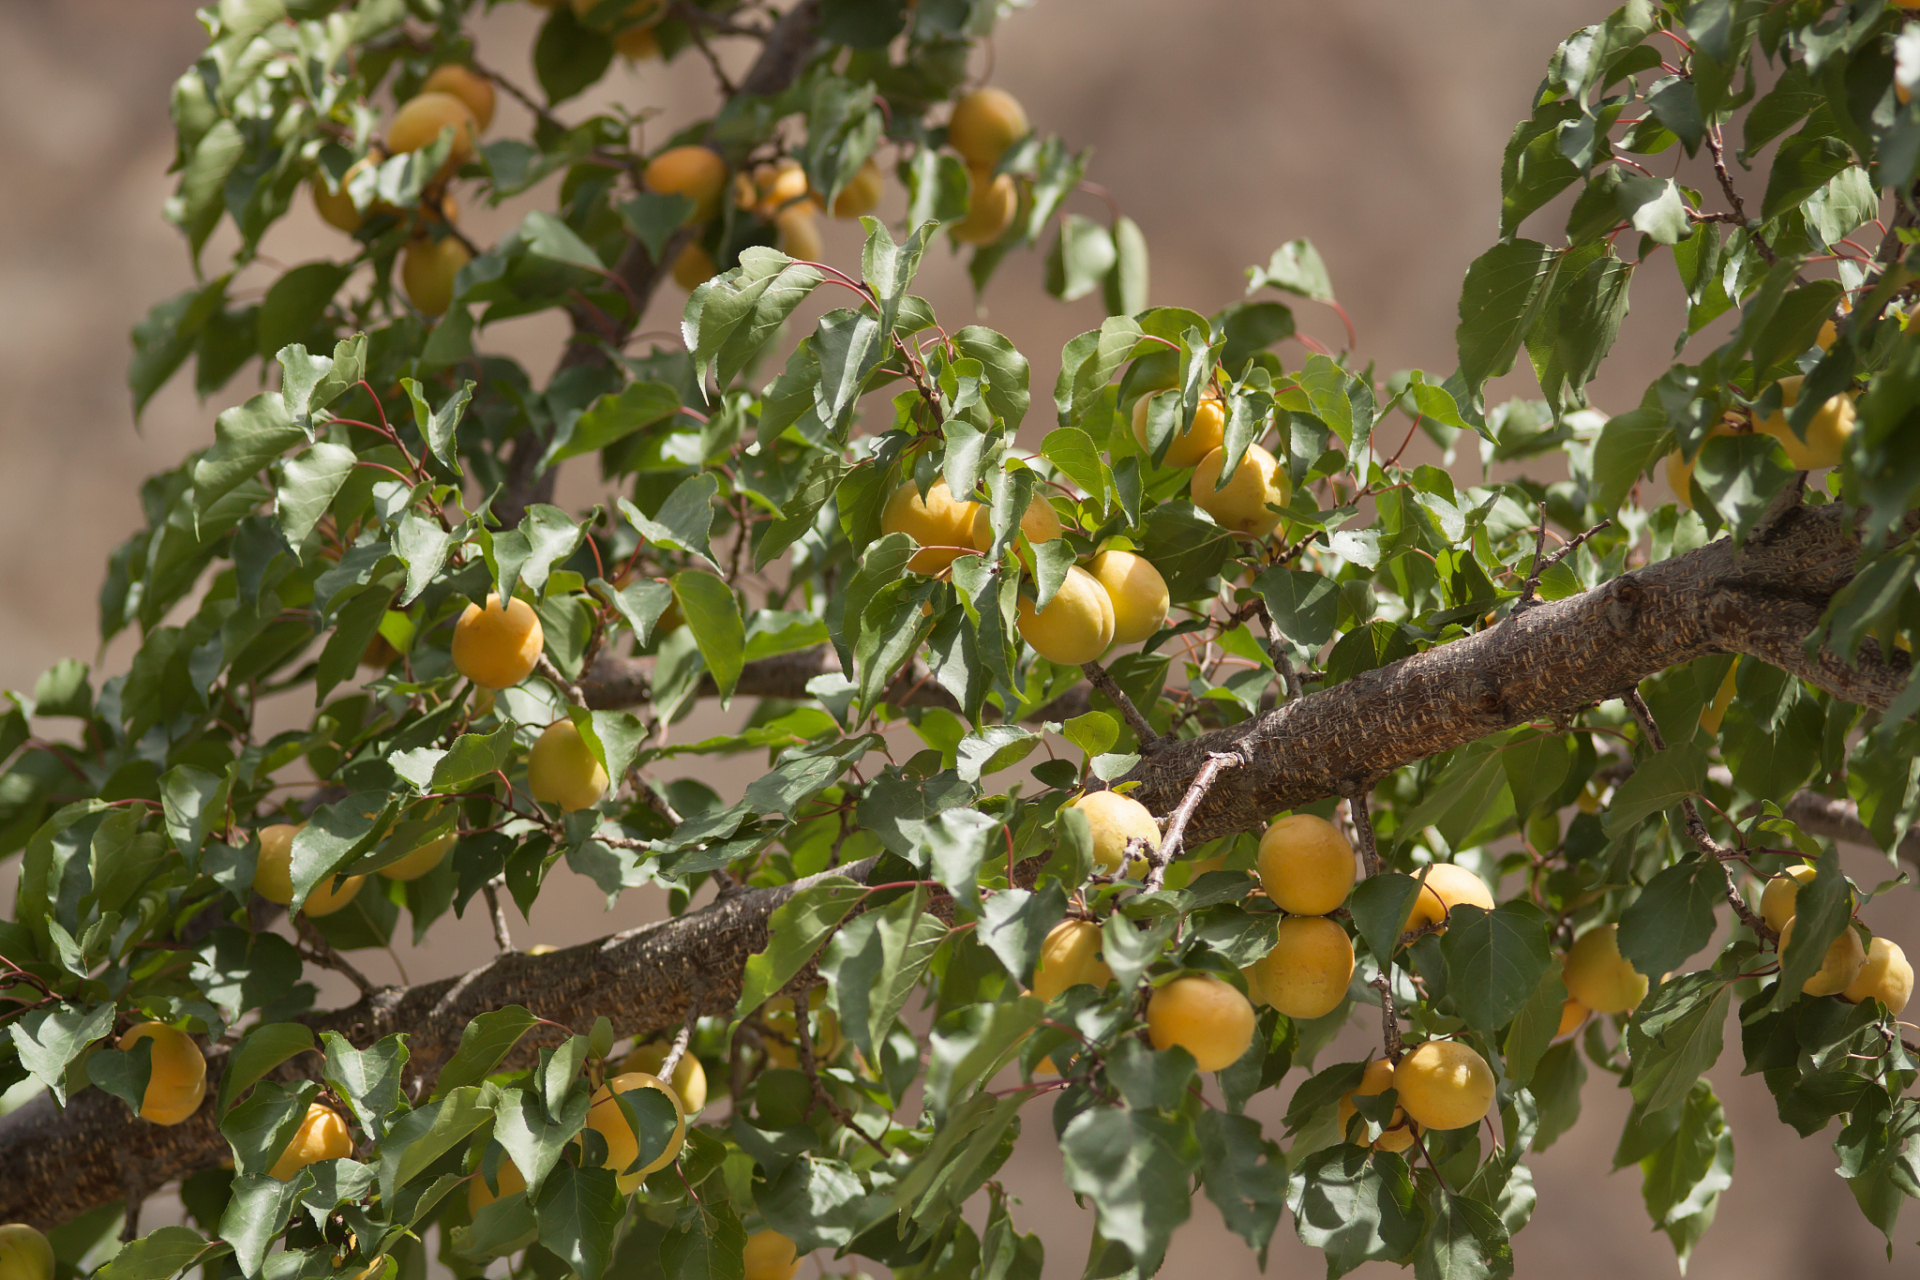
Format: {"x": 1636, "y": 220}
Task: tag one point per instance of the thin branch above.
{"x": 521, "y": 96}
{"x": 1717, "y": 147}
{"x": 567, "y": 688}
{"x": 1149, "y": 740}
{"x": 1175, "y": 835}
{"x": 321, "y": 952}
{"x": 682, "y": 1038}
{"x": 803, "y": 1038}
{"x": 1370, "y": 855}
{"x": 501, "y": 937}
{"x": 1527, "y": 597}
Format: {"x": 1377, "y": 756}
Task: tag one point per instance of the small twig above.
{"x": 699, "y": 37}
{"x": 1175, "y": 836}
{"x": 1149, "y": 740}
{"x": 1527, "y": 597}
{"x": 1370, "y": 855}
{"x": 130, "y": 1231}
{"x": 678, "y": 1049}
{"x": 567, "y": 687}
{"x": 1363, "y": 830}
{"x": 803, "y": 1038}
{"x": 1717, "y": 147}
{"x": 521, "y": 96}
{"x": 501, "y": 937}
{"x": 321, "y": 952}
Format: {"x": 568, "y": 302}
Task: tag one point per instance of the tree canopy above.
{"x": 1121, "y": 747}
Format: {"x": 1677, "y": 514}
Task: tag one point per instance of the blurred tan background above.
{"x": 1372, "y": 127}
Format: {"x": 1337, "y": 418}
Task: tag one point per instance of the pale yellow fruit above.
{"x": 1256, "y": 485}
{"x": 178, "y": 1081}
{"x": 1444, "y": 1085}
{"x": 1714, "y": 712}
{"x": 1447, "y": 886}
{"x": 1886, "y": 977}
{"x": 1827, "y": 434}
{"x": 322, "y": 1135}
{"x": 1829, "y": 331}
{"x": 1039, "y": 522}
{"x": 692, "y": 171}
{"x": 421, "y": 119}
{"x": 542, "y": 949}
{"x": 428, "y": 270}
{"x": 273, "y": 875}
{"x": 511, "y": 1181}
{"x": 562, "y": 770}
{"x": 1307, "y": 972}
{"x": 984, "y": 124}
{"x": 336, "y": 207}
{"x": 421, "y": 860}
{"x": 778, "y": 187}
{"x": 1680, "y": 469}
{"x": 476, "y": 91}
{"x": 689, "y": 1077}
{"x": 990, "y": 207}
{"x": 636, "y": 44}
{"x": 1782, "y": 894}
{"x": 1188, "y": 448}
{"x": 1077, "y": 624}
{"x": 861, "y": 195}
{"x": 770, "y": 1256}
{"x": 497, "y": 648}
{"x": 1572, "y": 1014}
{"x": 1838, "y": 968}
{"x": 25, "y": 1254}
{"x": 1070, "y": 956}
{"x": 1398, "y": 1135}
{"x": 623, "y": 1146}
{"x": 778, "y": 1015}
{"x": 1115, "y": 819}
{"x": 1306, "y": 865}
{"x": 1598, "y": 976}
{"x": 942, "y": 525}
{"x": 1137, "y": 591}
{"x": 693, "y": 268}
{"x": 1203, "y": 1015}
{"x": 799, "y": 236}
{"x": 1251, "y": 973}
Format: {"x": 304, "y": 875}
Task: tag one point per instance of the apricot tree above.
{"x": 1102, "y": 755}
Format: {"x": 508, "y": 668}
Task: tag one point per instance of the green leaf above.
{"x": 484, "y": 1045}
{"x": 1498, "y": 304}
{"x": 47, "y": 1040}
{"x": 579, "y": 1211}
{"x": 873, "y": 962}
{"x": 1379, "y": 905}
{"x": 1534, "y": 1027}
{"x": 307, "y": 487}
{"x": 1686, "y": 1175}
{"x": 1659, "y": 782}
{"x": 797, "y": 930}
{"x": 1125, "y": 288}
{"x": 265, "y": 1047}
{"x": 614, "y": 417}
{"x": 546, "y": 537}
{"x": 1674, "y": 916}
{"x": 567, "y": 56}
{"x": 1676, "y": 1036}
{"x": 1467, "y": 1241}
{"x": 124, "y": 1073}
{"x": 1494, "y": 960}
{"x": 535, "y": 1140}
{"x": 295, "y": 304}
{"x": 1356, "y": 1205}
{"x": 1083, "y": 254}
{"x": 707, "y": 1245}
{"x": 160, "y": 1255}
{"x": 255, "y": 1215}
{"x": 369, "y": 1080}
{"x": 245, "y": 439}
{"x": 1629, "y": 444}
{"x": 684, "y": 521}
{"x": 1803, "y": 164}
{"x": 713, "y": 617}
{"x": 1134, "y": 1166}
{"x": 421, "y": 1137}
{"x": 437, "y": 426}
{"x": 1577, "y": 323}
{"x": 1822, "y": 909}
{"x": 1245, "y": 1176}
{"x": 969, "y": 1044}
{"x": 1295, "y": 267}
{"x": 1304, "y": 606}
{"x": 731, "y": 317}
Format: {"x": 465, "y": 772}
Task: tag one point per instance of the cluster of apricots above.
{"x": 1876, "y": 971}
{"x": 1824, "y": 446}
{"x": 777, "y": 191}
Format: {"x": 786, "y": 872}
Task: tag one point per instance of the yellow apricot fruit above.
{"x": 542, "y": 949}
{"x": 1400, "y": 1133}
{"x": 322, "y": 1135}
{"x": 775, "y": 188}
{"x": 990, "y": 207}
{"x": 422, "y": 860}
{"x": 1886, "y": 977}
{"x": 606, "y": 1118}
{"x": 1255, "y": 993}
{"x": 1680, "y": 469}
{"x": 25, "y": 1254}
{"x": 692, "y": 171}
{"x": 1572, "y": 1014}
{"x": 1039, "y": 522}
{"x": 273, "y": 875}
{"x": 942, "y": 525}
{"x": 1115, "y": 819}
{"x": 693, "y": 268}
{"x": 1137, "y": 592}
{"x": 1444, "y": 1085}
{"x": 636, "y": 44}
{"x": 1189, "y": 447}
{"x": 861, "y": 195}
{"x": 1447, "y": 886}
{"x": 1714, "y": 712}
{"x": 799, "y": 234}
{"x": 421, "y": 119}
{"x": 1256, "y": 485}
{"x": 1306, "y": 865}
{"x": 1829, "y": 330}
{"x": 510, "y": 1182}
{"x": 1782, "y": 894}
{"x": 178, "y": 1081}
{"x": 497, "y": 647}
{"x": 475, "y": 90}
{"x": 335, "y": 206}
{"x": 1204, "y": 1015}
{"x": 770, "y": 1256}
{"x": 562, "y": 769}
{"x": 984, "y": 124}
{"x": 1306, "y": 973}
{"x": 1827, "y": 434}
{"x": 1069, "y": 957}
{"x": 689, "y": 1077}
{"x": 1077, "y": 624}
{"x": 1598, "y": 976}
{"x": 778, "y": 1015}
{"x": 428, "y": 269}
{"x": 1838, "y": 968}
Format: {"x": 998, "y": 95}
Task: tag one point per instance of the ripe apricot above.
{"x": 1070, "y": 956}
{"x": 693, "y": 268}
{"x": 422, "y": 860}
{"x": 1782, "y": 894}
{"x": 562, "y": 770}
{"x": 1306, "y": 973}
{"x": 476, "y": 91}
{"x": 1306, "y": 865}
{"x": 1838, "y": 968}
{"x": 1444, "y": 1085}
{"x": 428, "y": 269}
{"x": 1572, "y": 1014}
{"x": 508, "y": 1176}
{"x": 861, "y": 195}
{"x": 1829, "y": 331}
{"x": 1680, "y": 469}
{"x": 421, "y": 119}
{"x": 1400, "y": 1133}
{"x": 1886, "y": 977}
{"x": 1039, "y": 522}
{"x": 689, "y": 1077}
{"x": 623, "y": 1146}
{"x": 1114, "y": 820}
{"x": 336, "y": 206}
{"x": 1827, "y": 434}
{"x": 1203, "y": 1015}
{"x": 273, "y": 875}
{"x": 1242, "y": 506}
{"x": 1598, "y": 976}
{"x": 1137, "y": 592}
{"x": 1255, "y": 993}
{"x": 497, "y": 647}
{"x": 799, "y": 234}
{"x": 25, "y": 1254}
{"x": 990, "y": 207}
{"x": 1447, "y": 886}
{"x": 772, "y": 188}
{"x": 984, "y": 124}
{"x": 942, "y": 525}
{"x": 770, "y": 1256}
{"x": 322, "y": 1135}
{"x": 178, "y": 1081}
{"x": 692, "y": 171}
{"x": 823, "y": 1023}
{"x": 1077, "y": 624}
{"x": 1189, "y": 447}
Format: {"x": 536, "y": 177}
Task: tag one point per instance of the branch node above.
{"x": 1097, "y": 674}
